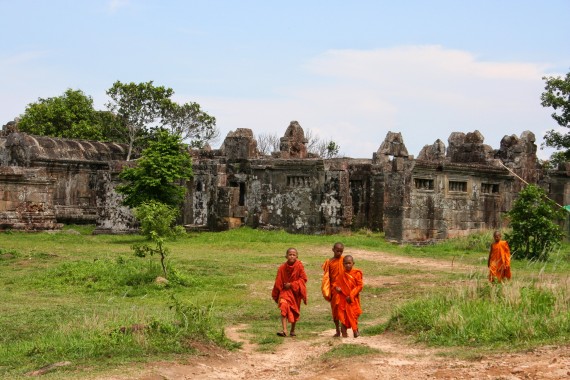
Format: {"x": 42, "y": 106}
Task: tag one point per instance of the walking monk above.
{"x": 499, "y": 261}
{"x": 349, "y": 286}
{"x": 289, "y": 289}
{"x": 332, "y": 269}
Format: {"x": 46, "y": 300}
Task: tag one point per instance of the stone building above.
{"x": 445, "y": 192}
{"x": 45, "y": 182}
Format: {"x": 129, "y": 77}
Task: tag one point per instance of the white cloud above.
{"x": 425, "y": 92}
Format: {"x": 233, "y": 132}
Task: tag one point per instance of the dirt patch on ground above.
{"x": 397, "y": 358}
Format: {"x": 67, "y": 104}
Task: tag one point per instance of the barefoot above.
{"x": 356, "y": 334}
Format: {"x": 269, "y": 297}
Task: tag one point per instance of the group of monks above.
{"x": 342, "y": 284}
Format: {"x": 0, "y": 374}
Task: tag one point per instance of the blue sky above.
{"x": 348, "y": 71}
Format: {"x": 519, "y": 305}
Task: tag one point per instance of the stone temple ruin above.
{"x": 445, "y": 192}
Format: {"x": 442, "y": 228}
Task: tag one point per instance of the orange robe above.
{"x": 351, "y": 286}
{"x": 332, "y": 269}
{"x": 289, "y": 300}
{"x": 499, "y": 261}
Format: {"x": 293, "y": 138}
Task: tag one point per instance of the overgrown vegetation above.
{"x": 157, "y": 173}
{"x": 557, "y": 95}
{"x": 478, "y": 313}
{"x": 134, "y": 113}
{"x": 533, "y": 219}
{"x": 70, "y": 115}
{"x": 85, "y": 299}
{"x": 157, "y": 225}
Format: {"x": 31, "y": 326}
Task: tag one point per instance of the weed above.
{"x": 349, "y": 350}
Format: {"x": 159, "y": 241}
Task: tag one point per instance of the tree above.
{"x": 112, "y": 126}
{"x": 139, "y": 106}
{"x": 157, "y": 224}
{"x": 535, "y": 232}
{"x": 162, "y": 165}
{"x": 267, "y": 143}
{"x": 144, "y": 107}
{"x": 70, "y": 115}
{"x": 190, "y": 123}
{"x": 557, "y": 96}
{"x": 327, "y": 149}
{"x": 319, "y": 147}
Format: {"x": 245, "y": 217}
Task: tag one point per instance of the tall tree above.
{"x": 144, "y": 107}
{"x": 70, "y": 115}
{"x": 139, "y": 106}
{"x": 190, "y": 123}
{"x": 557, "y": 96}
{"x": 163, "y": 164}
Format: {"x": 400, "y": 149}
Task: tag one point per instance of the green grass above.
{"x": 348, "y": 351}
{"x": 73, "y": 296}
{"x": 516, "y": 314}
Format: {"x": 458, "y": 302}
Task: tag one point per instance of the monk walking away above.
{"x": 499, "y": 261}
{"x": 332, "y": 269}
{"x": 349, "y": 285}
{"x": 289, "y": 290}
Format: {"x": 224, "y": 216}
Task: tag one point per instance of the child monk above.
{"x": 348, "y": 286}
{"x": 289, "y": 289}
{"x": 499, "y": 261}
{"x": 332, "y": 269}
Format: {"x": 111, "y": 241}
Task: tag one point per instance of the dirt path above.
{"x": 397, "y": 359}
{"x": 299, "y": 359}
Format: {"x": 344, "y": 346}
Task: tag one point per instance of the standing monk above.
{"x": 289, "y": 289}
{"x": 349, "y": 286}
{"x": 499, "y": 261}
{"x": 332, "y": 269}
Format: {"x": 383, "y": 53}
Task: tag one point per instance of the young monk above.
{"x": 289, "y": 289}
{"x": 348, "y": 286}
{"x": 499, "y": 261}
{"x": 332, "y": 269}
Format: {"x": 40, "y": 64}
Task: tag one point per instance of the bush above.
{"x": 535, "y": 233}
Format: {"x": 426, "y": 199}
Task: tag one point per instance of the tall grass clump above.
{"x": 516, "y": 313}
{"x": 108, "y": 335}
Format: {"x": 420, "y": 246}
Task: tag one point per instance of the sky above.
{"x": 348, "y": 71}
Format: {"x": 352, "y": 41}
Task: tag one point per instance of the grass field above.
{"x": 72, "y": 296}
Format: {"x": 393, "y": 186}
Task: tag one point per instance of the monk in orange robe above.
{"x": 332, "y": 269}
{"x": 289, "y": 289}
{"x": 499, "y": 261}
{"x": 349, "y": 285}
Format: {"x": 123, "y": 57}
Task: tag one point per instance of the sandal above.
{"x": 283, "y": 333}
{"x": 292, "y": 334}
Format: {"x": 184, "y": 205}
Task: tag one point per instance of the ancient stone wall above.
{"x": 62, "y": 180}
{"x": 445, "y": 192}
{"x": 452, "y": 200}
{"x": 26, "y": 199}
